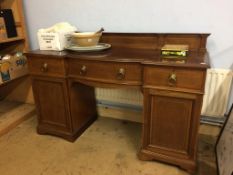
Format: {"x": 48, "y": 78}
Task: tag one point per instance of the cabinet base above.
{"x": 69, "y": 136}
{"x": 186, "y": 164}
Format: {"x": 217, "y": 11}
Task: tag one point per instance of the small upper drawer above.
{"x": 46, "y": 66}
{"x": 107, "y": 72}
{"x": 174, "y": 77}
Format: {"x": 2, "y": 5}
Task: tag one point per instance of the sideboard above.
{"x": 63, "y": 85}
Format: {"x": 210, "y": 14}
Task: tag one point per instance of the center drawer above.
{"x": 107, "y": 72}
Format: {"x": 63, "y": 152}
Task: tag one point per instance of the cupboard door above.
{"x": 171, "y": 122}
{"x": 52, "y": 104}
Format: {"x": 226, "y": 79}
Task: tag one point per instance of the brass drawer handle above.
{"x": 121, "y": 74}
{"x": 83, "y": 70}
{"x": 44, "y": 67}
{"x": 172, "y": 79}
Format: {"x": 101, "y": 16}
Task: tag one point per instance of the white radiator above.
{"x": 217, "y": 89}
{"x": 217, "y": 92}
{"x": 120, "y": 96}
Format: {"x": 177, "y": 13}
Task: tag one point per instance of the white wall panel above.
{"x": 212, "y": 16}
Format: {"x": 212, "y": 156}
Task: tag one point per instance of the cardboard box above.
{"x": 4, "y": 71}
{"x": 54, "y": 41}
{"x": 13, "y": 68}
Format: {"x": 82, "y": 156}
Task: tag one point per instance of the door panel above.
{"x": 168, "y": 122}
{"x": 172, "y": 116}
{"x": 51, "y": 99}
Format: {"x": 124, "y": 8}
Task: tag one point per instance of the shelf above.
{"x": 13, "y": 113}
{"x": 10, "y": 81}
{"x": 8, "y": 40}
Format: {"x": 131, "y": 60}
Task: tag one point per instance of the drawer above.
{"x": 107, "y": 72}
{"x": 46, "y": 66}
{"x": 174, "y": 77}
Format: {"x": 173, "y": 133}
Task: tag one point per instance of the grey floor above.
{"x": 108, "y": 147}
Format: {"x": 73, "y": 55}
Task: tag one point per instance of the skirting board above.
{"x": 120, "y": 113}
{"x": 136, "y": 116}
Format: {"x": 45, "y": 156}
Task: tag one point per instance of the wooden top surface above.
{"x": 153, "y": 57}
{"x": 141, "y": 48}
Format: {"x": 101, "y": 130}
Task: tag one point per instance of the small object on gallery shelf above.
{"x": 202, "y": 63}
{"x": 178, "y": 61}
{"x": 174, "y": 51}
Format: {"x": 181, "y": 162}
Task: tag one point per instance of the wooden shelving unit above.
{"x": 15, "y": 44}
{"x": 20, "y": 42}
{"x": 16, "y": 91}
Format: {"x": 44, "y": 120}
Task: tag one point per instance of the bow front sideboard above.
{"x": 63, "y": 85}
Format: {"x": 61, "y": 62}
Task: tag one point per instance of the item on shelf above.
{"x": 9, "y": 22}
{"x": 5, "y": 69}
{"x": 3, "y": 34}
{"x": 56, "y": 37}
{"x": 13, "y": 66}
{"x": 19, "y": 65}
{"x": 86, "y": 39}
{"x": 6, "y": 57}
{"x": 174, "y": 50}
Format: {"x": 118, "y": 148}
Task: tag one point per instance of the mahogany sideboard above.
{"x": 63, "y": 86}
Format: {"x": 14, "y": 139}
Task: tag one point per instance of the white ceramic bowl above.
{"x": 85, "y": 39}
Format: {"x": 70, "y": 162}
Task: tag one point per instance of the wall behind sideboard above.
{"x": 210, "y": 16}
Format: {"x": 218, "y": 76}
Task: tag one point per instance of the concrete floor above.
{"x": 108, "y": 147}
